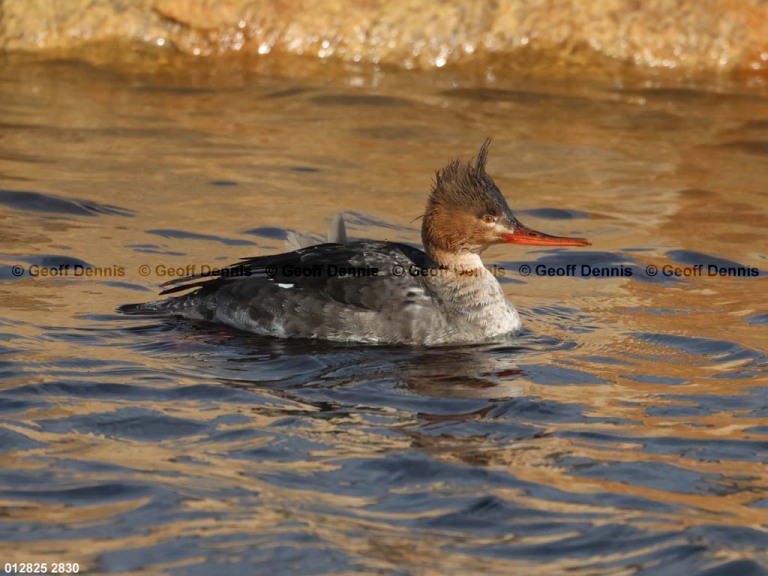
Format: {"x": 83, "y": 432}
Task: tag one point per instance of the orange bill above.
{"x": 524, "y": 235}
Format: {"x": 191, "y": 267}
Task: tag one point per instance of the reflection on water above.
{"x": 625, "y": 431}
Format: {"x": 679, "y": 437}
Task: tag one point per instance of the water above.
{"x": 624, "y": 432}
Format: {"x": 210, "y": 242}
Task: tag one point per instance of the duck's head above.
{"x": 466, "y": 213}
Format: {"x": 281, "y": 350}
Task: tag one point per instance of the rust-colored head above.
{"x": 466, "y": 213}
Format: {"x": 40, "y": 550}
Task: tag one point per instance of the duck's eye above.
{"x": 488, "y": 219}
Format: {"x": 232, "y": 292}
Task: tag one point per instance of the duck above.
{"x": 376, "y": 292}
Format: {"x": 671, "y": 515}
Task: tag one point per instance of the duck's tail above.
{"x": 157, "y": 308}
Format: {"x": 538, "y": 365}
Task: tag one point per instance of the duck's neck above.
{"x": 471, "y": 295}
{"x": 462, "y": 263}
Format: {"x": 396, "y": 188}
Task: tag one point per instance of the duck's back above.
{"x": 377, "y": 292}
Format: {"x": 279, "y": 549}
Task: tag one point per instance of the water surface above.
{"x": 624, "y": 432}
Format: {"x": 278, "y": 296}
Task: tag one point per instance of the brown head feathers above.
{"x": 462, "y": 196}
{"x": 466, "y": 187}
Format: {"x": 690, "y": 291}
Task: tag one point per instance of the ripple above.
{"x": 358, "y": 100}
{"x": 80, "y": 495}
{"x": 129, "y": 423}
{"x": 555, "y": 214}
{"x": 720, "y": 350}
{"x": 748, "y": 146}
{"x": 183, "y": 235}
{"x": 15, "y": 441}
{"x": 37, "y": 202}
{"x": 737, "y": 568}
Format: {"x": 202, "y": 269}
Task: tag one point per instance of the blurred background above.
{"x": 708, "y": 37}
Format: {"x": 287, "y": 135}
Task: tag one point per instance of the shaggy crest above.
{"x": 463, "y": 194}
{"x": 466, "y": 187}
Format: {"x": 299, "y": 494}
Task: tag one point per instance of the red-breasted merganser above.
{"x": 378, "y": 292}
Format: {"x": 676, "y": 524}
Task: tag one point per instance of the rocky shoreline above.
{"x": 689, "y": 36}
